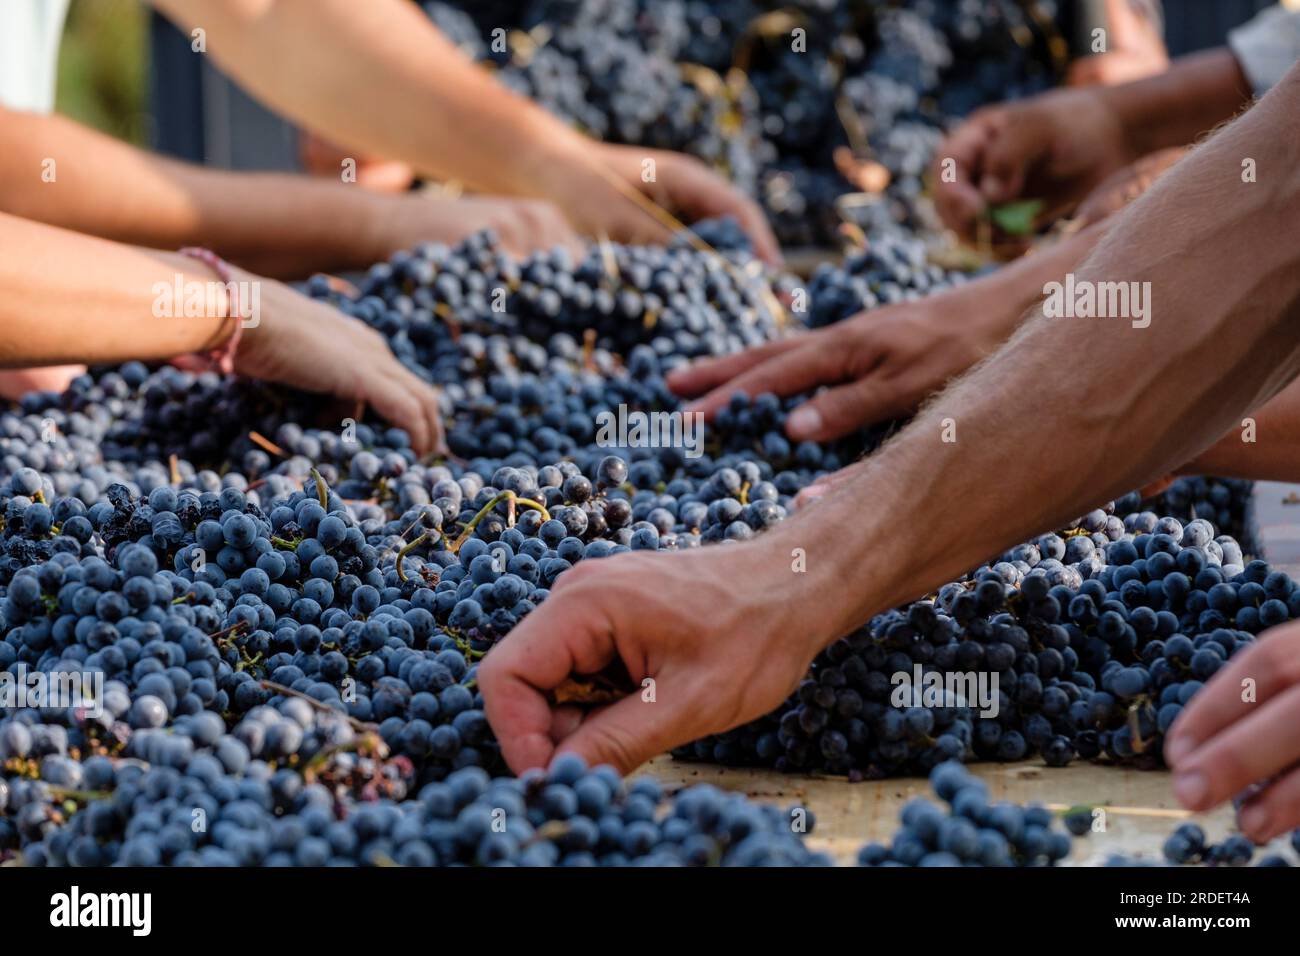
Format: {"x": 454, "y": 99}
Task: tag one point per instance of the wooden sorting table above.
{"x": 1140, "y": 809}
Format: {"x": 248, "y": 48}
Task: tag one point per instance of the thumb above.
{"x": 710, "y": 373}
{"x": 569, "y": 633}
{"x": 627, "y": 733}
{"x": 1007, "y": 162}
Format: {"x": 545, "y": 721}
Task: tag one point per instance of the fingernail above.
{"x": 1191, "y": 789}
{"x": 1177, "y": 749}
{"x": 1254, "y": 818}
{"x": 803, "y": 421}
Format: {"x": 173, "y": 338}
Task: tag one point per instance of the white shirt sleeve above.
{"x": 30, "y": 31}
{"x": 1267, "y": 46}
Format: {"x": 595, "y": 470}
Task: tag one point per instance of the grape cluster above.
{"x": 890, "y": 270}
{"x": 736, "y": 86}
{"x": 287, "y": 618}
{"x": 1188, "y": 845}
{"x": 970, "y": 831}
{"x": 1097, "y": 637}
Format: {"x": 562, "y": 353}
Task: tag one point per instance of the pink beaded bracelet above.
{"x": 222, "y": 359}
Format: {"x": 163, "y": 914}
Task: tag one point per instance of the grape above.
{"x": 970, "y": 832}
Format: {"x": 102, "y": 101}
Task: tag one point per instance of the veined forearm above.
{"x": 378, "y": 75}
{"x": 272, "y": 222}
{"x": 1020, "y": 283}
{"x": 1075, "y": 411}
{"x": 71, "y": 298}
{"x": 1196, "y": 94}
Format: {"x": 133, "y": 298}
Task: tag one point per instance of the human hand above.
{"x": 1055, "y": 147}
{"x": 17, "y": 382}
{"x": 522, "y": 225}
{"x": 309, "y": 345}
{"x": 1223, "y": 743}
{"x": 723, "y": 634}
{"x": 879, "y": 364}
{"x": 681, "y": 184}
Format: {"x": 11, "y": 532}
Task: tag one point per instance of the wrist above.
{"x": 826, "y": 573}
{"x": 563, "y": 171}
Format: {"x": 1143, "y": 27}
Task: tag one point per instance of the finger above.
{"x": 625, "y": 734}
{"x": 1253, "y": 749}
{"x": 731, "y": 202}
{"x": 828, "y": 483}
{"x": 396, "y": 404}
{"x": 701, "y": 376}
{"x": 567, "y": 634}
{"x": 430, "y": 406}
{"x": 1274, "y": 811}
{"x": 839, "y": 411}
{"x": 565, "y": 719}
{"x": 1273, "y": 664}
{"x": 785, "y": 374}
{"x": 958, "y": 165}
{"x": 1007, "y": 162}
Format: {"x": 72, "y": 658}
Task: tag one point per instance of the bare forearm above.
{"x": 1196, "y": 94}
{"x": 71, "y": 298}
{"x": 276, "y": 224}
{"x": 1019, "y": 284}
{"x": 378, "y": 75}
{"x": 1074, "y": 412}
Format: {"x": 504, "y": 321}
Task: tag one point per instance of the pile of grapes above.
{"x": 770, "y": 93}
{"x": 283, "y": 615}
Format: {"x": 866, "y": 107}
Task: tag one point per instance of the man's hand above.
{"x": 1055, "y": 147}
{"x": 879, "y": 364}
{"x": 711, "y": 639}
{"x": 679, "y": 183}
{"x": 1224, "y": 743}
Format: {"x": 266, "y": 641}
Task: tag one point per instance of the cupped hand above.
{"x": 1239, "y": 732}
{"x": 681, "y": 184}
{"x": 1055, "y": 147}
{"x": 711, "y": 639}
{"x": 309, "y": 345}
{"x": 876, "y": 365}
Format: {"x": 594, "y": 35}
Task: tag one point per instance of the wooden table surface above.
{"x": 1139, "y": 808}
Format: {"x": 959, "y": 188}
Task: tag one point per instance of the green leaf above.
{"x": 1017, "y": 218}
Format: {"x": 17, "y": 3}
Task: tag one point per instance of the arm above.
{"x": 70, "y": 298}
{"x": 279, "y": 224}
{"x": 1197, "y": 93}
{"x": 1273, "y": 454}
{"x": 1070, "y": 413}
{"x": 884, "y": 363}
{"x": 379, "y": 76}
